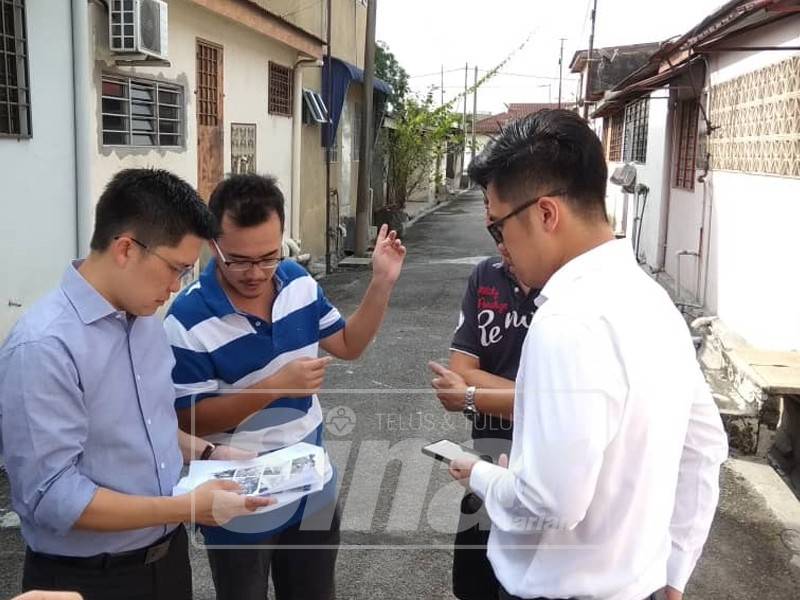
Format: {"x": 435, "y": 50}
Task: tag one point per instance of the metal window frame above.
{"x": 209, "y": 94}
{"x": 234, "y": 155}
{"x": 316, "y": 106}
{"x": 132, "y": 22}
{"x": 157, "y": 86}
{"x": 637, "y": 115}
{"x": 279, "y": 103}
{"x": 616, "y": 137}
{"x": 686, "y": 136}
{"x": 333, "y": 150}
{"x": 21, "y": 107}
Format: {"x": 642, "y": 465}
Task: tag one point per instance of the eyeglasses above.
{"x": 180, "y": 272}
{"x": 495, "y": 228}
{"x": 240, "y": 266}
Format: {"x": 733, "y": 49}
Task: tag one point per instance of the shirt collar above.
{"x": 501, "y": 265}
{"x": 599, "y": 257}
{"x": 215, "y": 296}
{"x": 90, "y": 305}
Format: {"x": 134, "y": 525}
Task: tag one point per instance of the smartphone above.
{"x": 446, "y": 451}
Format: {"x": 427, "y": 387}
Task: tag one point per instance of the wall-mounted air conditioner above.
{"x": 625, "y": 176}
{"x": 138, "y": 27}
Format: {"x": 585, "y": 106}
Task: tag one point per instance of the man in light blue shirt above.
{"x": 89, "y": 432}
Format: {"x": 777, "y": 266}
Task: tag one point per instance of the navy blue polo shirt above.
{"x": 494, "y": 320}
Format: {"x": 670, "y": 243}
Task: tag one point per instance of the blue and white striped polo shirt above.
{"x": 219, "y": 348}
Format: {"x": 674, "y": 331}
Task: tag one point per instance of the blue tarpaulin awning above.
{"x": 343, "y": 74}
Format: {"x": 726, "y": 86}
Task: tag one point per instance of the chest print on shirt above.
{"x": 489, "y": 299}
{"x": 495, "y": 318}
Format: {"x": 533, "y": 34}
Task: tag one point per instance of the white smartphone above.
{"x": 446, "y": 451}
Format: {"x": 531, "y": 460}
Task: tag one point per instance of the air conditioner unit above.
{"x": 138, "y": 27}
{"x": 625, "y": 176}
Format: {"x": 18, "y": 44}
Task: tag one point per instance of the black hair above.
{"x": 548, "y": 151}
{"x": 159, "y": 208}
{"x": 247, "y": 199}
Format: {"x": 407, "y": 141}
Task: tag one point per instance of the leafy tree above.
{"x": 422, "y": 130}
{"x": 389, "y": 70}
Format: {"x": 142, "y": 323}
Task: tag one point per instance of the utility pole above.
{"x": 464, "y": 125}
{"x": 589, "y": 61}
{"x": 441, "y": 87}
{"x": 560, "y": 71}
{"x": 363, "y": 203}
{"x": 330, "y": 232}
{"x": 438, "y": 184}
{"x": 474, "y": 110}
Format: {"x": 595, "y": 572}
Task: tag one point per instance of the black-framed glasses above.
{"x": 495, "y": 228}
{"x": 240, "y": 266}
{"x": 180, "y": 272}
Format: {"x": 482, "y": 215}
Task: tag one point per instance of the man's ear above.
{"x": 121, "y": 250}
{"x": 548, "y": 212}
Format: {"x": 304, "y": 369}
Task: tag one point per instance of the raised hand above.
{"x": 388, "y": 256}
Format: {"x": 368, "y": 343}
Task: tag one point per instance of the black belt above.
{"x": 143, "y": 556}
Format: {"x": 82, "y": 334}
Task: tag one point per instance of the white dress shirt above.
{"x": 613, "y": 476}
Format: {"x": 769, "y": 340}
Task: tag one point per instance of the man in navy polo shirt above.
{"x": 246, "y": 337}
{"x": 496, "y": 312}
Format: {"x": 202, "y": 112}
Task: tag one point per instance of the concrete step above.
{"x": 740, "y": 417}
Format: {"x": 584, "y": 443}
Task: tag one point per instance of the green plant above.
{"x": 421, "y": 133}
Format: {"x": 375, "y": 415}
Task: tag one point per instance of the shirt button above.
{"x": 163, "y": 466}
{"x": 138, "y": 378}
{"x": 149, "y": 422}
{"x": 258, "y": 323}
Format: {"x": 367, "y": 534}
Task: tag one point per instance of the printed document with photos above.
{"x": 286, "y": 475}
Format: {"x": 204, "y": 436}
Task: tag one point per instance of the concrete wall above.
{"x": 38, "y": 232}
{"x": 313, "y": 225}
{"x": 753, "y": 285}
{"x": 753, "y": 239}
{"x": 309, "y": 16}
{"x": 348, "y": 28}
{"x": 348, "y": 168}
{"x": 246, "y": 55}
{"x": 348, "y": 31}
{"x": 651, "y": 174}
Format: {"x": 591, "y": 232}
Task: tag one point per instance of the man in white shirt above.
{"x": 613, "y": 477}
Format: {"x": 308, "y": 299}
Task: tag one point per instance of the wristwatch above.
{"x": 469, "y": 402}
{"x": 207, "y": 451}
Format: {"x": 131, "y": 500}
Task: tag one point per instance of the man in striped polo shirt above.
{"x": 246, "y": 337}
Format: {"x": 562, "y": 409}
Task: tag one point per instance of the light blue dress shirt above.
{"x": 86, "y": 401}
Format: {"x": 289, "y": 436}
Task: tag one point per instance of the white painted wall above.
{"x": 38, "y": 231}
{"x": 752, "y": 282}
{"x": 651, "y": 174}
{"x": 685, "y": 224}
{"x": 246, "y": 56}
{"x": 753, "y": 274}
